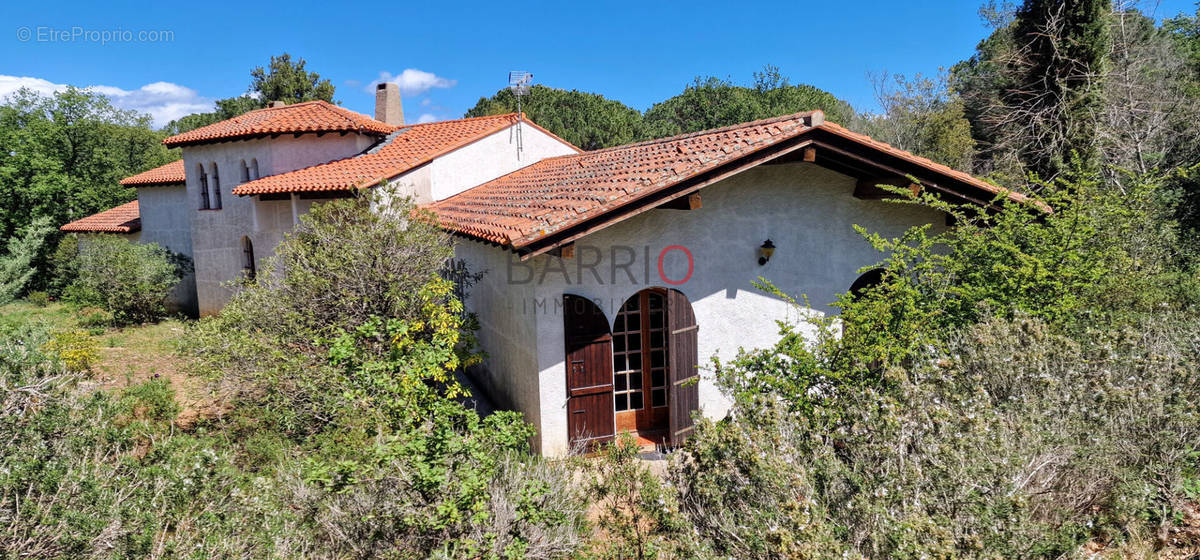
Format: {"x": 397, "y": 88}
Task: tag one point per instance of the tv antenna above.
{"x": 518, "y": 84}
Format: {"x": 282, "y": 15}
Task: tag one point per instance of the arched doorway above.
{"x": 654, "y": 366}
{"x": 640, "y": 364}
{"x": 640, "y": 376}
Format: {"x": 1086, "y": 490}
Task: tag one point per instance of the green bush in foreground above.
{"x": 16, "y": 264}
{"x": 1008, "y": 442}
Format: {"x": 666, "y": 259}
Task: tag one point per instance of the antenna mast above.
{"x": 518, "y": 83}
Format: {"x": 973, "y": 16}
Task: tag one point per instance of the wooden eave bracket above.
{"x": 566, "y": 251}
{"x": 689, "y": 202}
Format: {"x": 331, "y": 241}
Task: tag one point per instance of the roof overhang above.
{"x": 817, "y": 146}
{"x": 271, "y": 135}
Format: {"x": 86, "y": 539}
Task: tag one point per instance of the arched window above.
{"x": 254, "y": 168}
{"x": 248, "y": 265}
{"x": 245, "y": 172}
{"x": 216, "y": 188}
{"x": 204, "y": 203}
{"x": 640, "y": 363}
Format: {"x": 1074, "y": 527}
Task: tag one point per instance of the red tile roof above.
{"x": 537, "y": 201}
{"x": 409, "y": 147}
{"x": 169, "y": 174}
{"x": 310, "y": 116}
{"x": 122, "y": 219}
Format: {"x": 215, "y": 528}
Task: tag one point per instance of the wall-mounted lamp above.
{"x": 765, "y": 251}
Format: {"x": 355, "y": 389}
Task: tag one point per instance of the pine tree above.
{"x": 16, "y": 267}
{"x": 1061, "y": 51}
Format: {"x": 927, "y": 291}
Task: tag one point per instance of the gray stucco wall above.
{"x": 166, "y": 220}
{"x": 217, "y": 234}
{"x": 508, "y": 374}
{"x": 806, "y": 210}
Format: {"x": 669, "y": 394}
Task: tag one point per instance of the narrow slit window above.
{"x": 248, "y": 265}
{"x": 204, "y": 202}
{"x": 216, "y": 188}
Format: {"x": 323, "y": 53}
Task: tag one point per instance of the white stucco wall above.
{"x": 488, "y": 158}
{"x": 509, "y": 375}
{"x": 166, "y": 220}
{"x": 806, "y": 210}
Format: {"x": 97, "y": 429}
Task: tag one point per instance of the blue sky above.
{"x": 446, "y": 55}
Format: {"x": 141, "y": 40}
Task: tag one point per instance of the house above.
{"x": 611, "y": 277}
{"x": 616, "y": 275}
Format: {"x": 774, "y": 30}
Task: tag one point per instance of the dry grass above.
{"x": 129, "y": 355}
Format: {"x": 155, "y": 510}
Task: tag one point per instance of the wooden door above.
{"x": 640, "y": 358}
{"x": 589, "y": 372}
{"x": 683, "y": 372}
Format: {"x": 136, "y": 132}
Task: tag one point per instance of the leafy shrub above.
{"x": 1098, "y": 258}
{"x": 129, "y": 280}
{"x": 339, "y": 287}
{"x": 344, "y": 349}
{"x": 1008, "y": 441}
{"x": 64, "y": 264}
{"x": 38, "y": 298}
{"x": 76, "y": 348}
{"x": 747, "y": 487}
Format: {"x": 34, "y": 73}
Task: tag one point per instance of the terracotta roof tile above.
{"x": 554, "y": 193}
{"x": 310, "y": 116}
{"x": 408, "y": 147}
{"x": 534, "y": 202}
{"x": 169, "y": 174}
{"x": 122, "y": 219}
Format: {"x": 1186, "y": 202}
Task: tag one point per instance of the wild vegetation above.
{"x": 1025, "y": 384}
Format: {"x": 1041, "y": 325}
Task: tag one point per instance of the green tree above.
{"x": 1184, "y": 30}
{"x": 283, "y": 79}
{"x": 712, "y": 103}
{"x": 587, "y": 120}
{"x": 1064, "y": 45}
{"x": 63, "y": 158}
{"x": 921, "y": 116}
{"x": 979, "y": 81}
{"x": 129, "y": 280}
{"x": 1034, "y": 89}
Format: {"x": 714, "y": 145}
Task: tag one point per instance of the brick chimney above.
{"x": 387, "y": 104}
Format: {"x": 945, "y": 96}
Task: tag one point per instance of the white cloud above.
{"x": 163, "y": 101}
{"x": 412, "y": 82}
{"x": 426, "y": 117}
